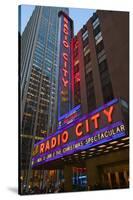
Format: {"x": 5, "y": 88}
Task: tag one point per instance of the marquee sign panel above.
{"x": 100, "y": 126}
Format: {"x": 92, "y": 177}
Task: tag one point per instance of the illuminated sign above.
{"x": 69, "y": 117}
{"x": 100, "y": 126}
{"x": 75, "y": 65}
{"x": 64, "y": 100}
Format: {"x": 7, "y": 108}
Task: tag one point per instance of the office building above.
{"x": 38, "y": 83}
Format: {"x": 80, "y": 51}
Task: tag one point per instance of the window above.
{"x": 99, "y": 47}
{"x": 103, "y": 66}
{"x": 46, "y": 12}
{"x": 107, "y": 92}
{"x": 96, "y": 30}
{"x": 91, "y": 99}
{"x": 99, "y": 40}
{"x": 85, "y": 42}
{"x": 85, "y": 35}
{"x": 96, "y": 23}
{"x": 105, "y": 81}
{"x": 50, "y": 45}
{"x": 87, "y": 58}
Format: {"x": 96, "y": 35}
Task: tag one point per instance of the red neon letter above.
{"x": 58, "y": 139}
{"x": 65, "y": 56}
{"x": 109, "y": 113}
{"x": 53, "y": 142}
{"x": 65, "y": 72}
{"x": 64, "y": 137}
{"x": 65, "y": 43}
{"x": 42, "y": 148}
{"x": 65, "y": 82}
{"x": 95, "y": 118}
{"x": 65, "y": 20}
{"x": 87, "y": 126}
{"x": 65, "y": 64}
{"x": 79, "y": 133}
{"x": 47, "y": 146}
{"x": 65, "y": 30}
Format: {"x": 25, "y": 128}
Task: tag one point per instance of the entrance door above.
{"x": 79, "y": 179}
{"x": 115, "y": 177}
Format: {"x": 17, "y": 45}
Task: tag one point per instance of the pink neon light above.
{"x": 72, "y": 44}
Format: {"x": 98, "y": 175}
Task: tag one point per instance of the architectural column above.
{"x": 92, "y": 174}
{"x": 68, "y": 178}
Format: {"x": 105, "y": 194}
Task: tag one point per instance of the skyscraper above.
{"x": 38, "y": 81}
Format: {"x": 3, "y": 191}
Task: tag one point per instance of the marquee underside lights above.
{"x": 97, "y": 128}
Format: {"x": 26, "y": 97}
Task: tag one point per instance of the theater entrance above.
{"x": 79, "y": 179}
{"x": 115, "y": 176}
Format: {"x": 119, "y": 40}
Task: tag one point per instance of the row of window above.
{"x": 103, "y": 67}
{"x": 105, "y": 81}
{"x": 90, "y": 90}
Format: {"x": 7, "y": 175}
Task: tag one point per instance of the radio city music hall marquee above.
{"x": 100, "y": 126}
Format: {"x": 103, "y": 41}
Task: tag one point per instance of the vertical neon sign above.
{"x": 64, "y": 90}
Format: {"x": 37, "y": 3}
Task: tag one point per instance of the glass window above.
{"x": 87, "y": 58}
{"x": 46, "y": 12}
{"x": 96, "y": 30}
{"x": 99, "y": 47}
{"x": 96, "y": 23}
{"x": 85, "y": 42}
{"x": 108, "y": 92}
{"x": 85, "y": 35}
{"x": 103, "y": 66}
{"x": 99, "y": 40}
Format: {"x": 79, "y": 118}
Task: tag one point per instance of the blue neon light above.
{"x": 69, "y": 113}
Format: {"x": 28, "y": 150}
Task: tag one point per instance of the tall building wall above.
{"x": 102, "y": 50}
{"x": 39, "y": 79}
{"x": 115, "y": 31}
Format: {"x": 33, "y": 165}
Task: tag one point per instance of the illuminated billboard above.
{"x": 64, "y": 90}
{"x": 100, "y": 126}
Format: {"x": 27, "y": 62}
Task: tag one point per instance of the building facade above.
{"x": 38, "y": 82}
{"x": 101, "y": 60}
{"x": 90, "y": 146}
{"x": 100, "y": 74}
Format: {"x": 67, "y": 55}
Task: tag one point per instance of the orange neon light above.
{"x": 53, "y": 142}
{"x": 95, "y": 119}
{"x": 109, "y": 113}
{"x": 78, "y": 133}
{"x": 79, "y": 129}
{"x": 87, "y": 126}
{"x": 64, "y": 137}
